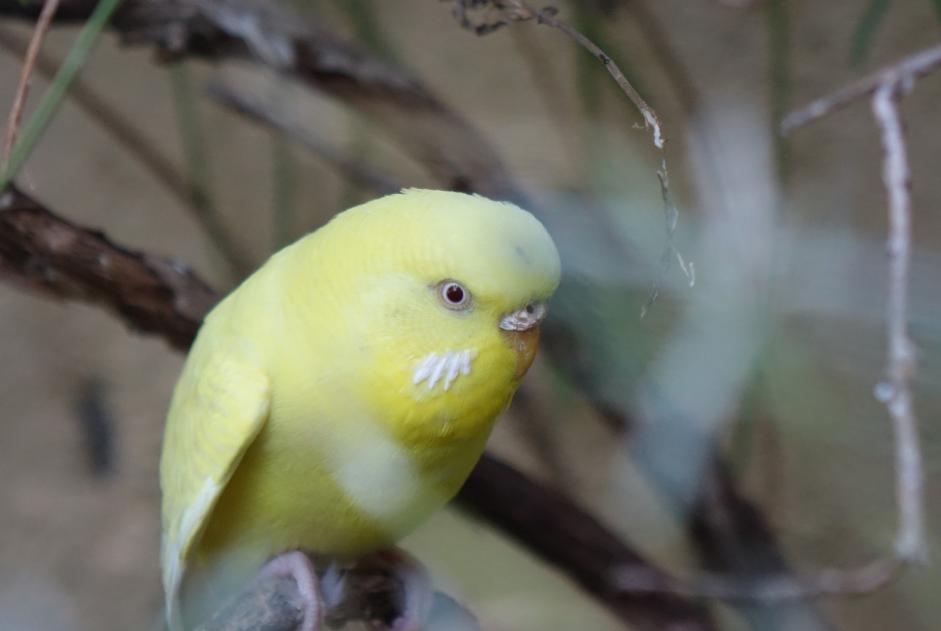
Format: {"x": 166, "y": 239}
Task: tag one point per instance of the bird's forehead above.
{"x": 496, "y": 248}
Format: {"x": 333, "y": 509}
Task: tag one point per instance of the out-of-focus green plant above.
{"x": 866, "y": 29}
{"x": 54, "y": 96}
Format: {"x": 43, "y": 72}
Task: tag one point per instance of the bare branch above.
{"x": 900, "y": 369}
{"x": 22, "y": 86}
{"x": 556, "y": 529}
{"x": 910, "y": 545}
{"x": 901, "y": 73}
{"x": 42, "y": 252}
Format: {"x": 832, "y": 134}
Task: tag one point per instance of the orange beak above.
{"x": 525, "y": 343}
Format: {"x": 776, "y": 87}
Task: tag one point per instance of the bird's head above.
{"x": 451, "y": 290}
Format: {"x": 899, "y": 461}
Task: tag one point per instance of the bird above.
{"x": 344, "y": 391}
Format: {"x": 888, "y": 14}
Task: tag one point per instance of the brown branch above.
{"x": 563, "y": 534}
{"x": 905, "y": 71}
{"x": 44, "y": 253}
{"x": 22, "y": 86}
{"x": 47, "y": 254}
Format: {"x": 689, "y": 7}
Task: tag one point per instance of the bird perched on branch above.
{"x": 344, "y": 392}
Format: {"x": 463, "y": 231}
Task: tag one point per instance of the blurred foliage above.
{"x": 866, "y": 29}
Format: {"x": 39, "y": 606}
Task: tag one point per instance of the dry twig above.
{"x": 519, "y": 11}
{"x": 885, "y": 88}
{"x": 22, "y": 86}
{"x": 904, "y": 72}
{"x": 900, "y": 369}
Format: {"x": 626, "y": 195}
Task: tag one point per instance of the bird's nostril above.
{"x": 530, "y": 309}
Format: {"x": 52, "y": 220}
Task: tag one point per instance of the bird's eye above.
{"x": 453, "y": 295}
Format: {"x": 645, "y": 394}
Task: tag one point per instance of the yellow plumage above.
{"x": 338, "y": 397}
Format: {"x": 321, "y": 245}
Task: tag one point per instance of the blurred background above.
{"x": 751, "y": 375}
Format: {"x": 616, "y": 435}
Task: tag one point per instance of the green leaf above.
{"x": 54, "y": 96}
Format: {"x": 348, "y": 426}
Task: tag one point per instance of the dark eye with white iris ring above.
{"x": 453, "y": 295}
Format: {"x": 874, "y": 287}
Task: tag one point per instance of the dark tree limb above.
{"x": 42, "y": 252}
{"x": 47, "y": 254}
{"x": 575, "y": 542}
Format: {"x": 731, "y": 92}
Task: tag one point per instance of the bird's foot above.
{"x": 298, "y": 566}
{"x": 417, "y": 591}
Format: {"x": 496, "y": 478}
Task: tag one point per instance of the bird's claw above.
{"x": 417, "y": 591}
{"x": 297, "y": 565}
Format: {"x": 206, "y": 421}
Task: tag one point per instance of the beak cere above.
{"x": 521, "y": 330}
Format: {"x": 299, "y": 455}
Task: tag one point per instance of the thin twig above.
{"x": 900, "y": 368}
{"x": 519, "y": 11}
{"x": 651, "y": 119}
{"x": 22, "y": 86}
{"x": 669, "y": 251}
{"x": 910, "y": 545}
{"x": 908, "y": 69}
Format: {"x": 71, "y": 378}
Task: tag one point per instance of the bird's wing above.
{"x": 218, "y": 408}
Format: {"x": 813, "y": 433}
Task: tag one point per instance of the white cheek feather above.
{"x": 444, "y": 368}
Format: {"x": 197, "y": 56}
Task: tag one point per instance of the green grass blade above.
{"x": 866, "y": 29}
{"x": 54, "y": 96}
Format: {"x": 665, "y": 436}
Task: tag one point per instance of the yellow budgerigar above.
{"x": 345, "y": 391}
